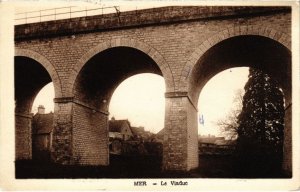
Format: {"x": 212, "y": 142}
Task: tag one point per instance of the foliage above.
{"x": 261, "y": 121}
{"x": 229, "y": 125}
{"x": 262, "y": 116}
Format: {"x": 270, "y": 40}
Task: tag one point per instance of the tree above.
{"x": 229, "y": 125}
{"x": 261, "y": 121}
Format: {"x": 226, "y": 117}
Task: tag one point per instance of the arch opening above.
{"x": 30, "y": 77}
{"x": 217, "y": 103}
{"x": 42, "y": 124}
{"x": 137, "y": 111}
{"x": 44, "y": 97}
{"x": 146, "y": 102}
{"x": 252, "y": 51}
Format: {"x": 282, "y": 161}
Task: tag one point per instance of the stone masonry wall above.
{"x": 181, "y": 135}
{"x": 192, "y": 135}
{"x": 175, "y": 151}
{"x": 90, "y": 136}
{"x": 23, "y": 136}
{"x": 62, "y": 133}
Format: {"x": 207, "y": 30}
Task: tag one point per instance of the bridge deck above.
{"x": 139, "y": 18}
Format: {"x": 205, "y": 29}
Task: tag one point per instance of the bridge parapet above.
{"x": 138, "y": 18}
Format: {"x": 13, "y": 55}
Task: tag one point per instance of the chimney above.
{"x": 41, "y": 109}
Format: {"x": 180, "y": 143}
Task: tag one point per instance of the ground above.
{"x": 139, "y": 167}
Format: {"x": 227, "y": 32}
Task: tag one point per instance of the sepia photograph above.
{"x": 153, "y": 93}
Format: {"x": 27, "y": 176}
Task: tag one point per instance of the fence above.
{"x": 62, "y": 13}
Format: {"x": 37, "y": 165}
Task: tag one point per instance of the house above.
{"x": 207, "y": 144}
{"x": 119, "y": 132}
{"x": 42, "y": 128}
{"x": 120, "y": 129}
{"x": 140, "y": 134}
{"x": 212, "y": 145}
{"x": 159, "y": 137}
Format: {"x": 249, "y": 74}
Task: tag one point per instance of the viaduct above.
{"x": 86, "y": 58}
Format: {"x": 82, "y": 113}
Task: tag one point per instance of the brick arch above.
{"x": 132, "y": 43}
{"x": 269, "y": 32}
{"x": 46, "y": 64}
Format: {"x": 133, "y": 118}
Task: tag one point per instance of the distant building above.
{"x": 125, "y": 139}
{"x": 159, "y": 137}
{"x": 119, "y": 132}
{"x": 120, "y": 129}
{"x": 42, "y": 128}
{"x": 140, "y": 134}
{"x": 212, "y": 145}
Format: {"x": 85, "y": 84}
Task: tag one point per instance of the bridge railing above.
{"x": 62, "y": 13}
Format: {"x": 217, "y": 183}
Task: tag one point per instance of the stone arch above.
{"x": 45, "y": 63}
{"x": 25, "y": 94}
{"x": 92, "y": 82}
{"x": 282, "y": 42}
{"x": 124, "y": 42}
{"x": 258, "y": 30}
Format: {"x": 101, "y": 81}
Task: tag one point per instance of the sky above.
{"x": 140, "y": 99}
{"x": 33, "y": 9}
{"x": 145, "y": 105}
{"x": 216, "y": 99}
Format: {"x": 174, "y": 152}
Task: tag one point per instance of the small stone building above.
{"x": 120, "y": 129}
{"x": 212, "y": 145}
{"x": 42, "y": 127}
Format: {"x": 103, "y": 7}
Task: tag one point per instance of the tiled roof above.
{"x": 225, "y": 142}
{"x": 161, "y": 133}
{"x": 116, "y": 125}
{"x": 211, "y": 140}
{"x": 42, "y": 123}
{"x": 134, "y": 130}
{"x": 138, "y": 131}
